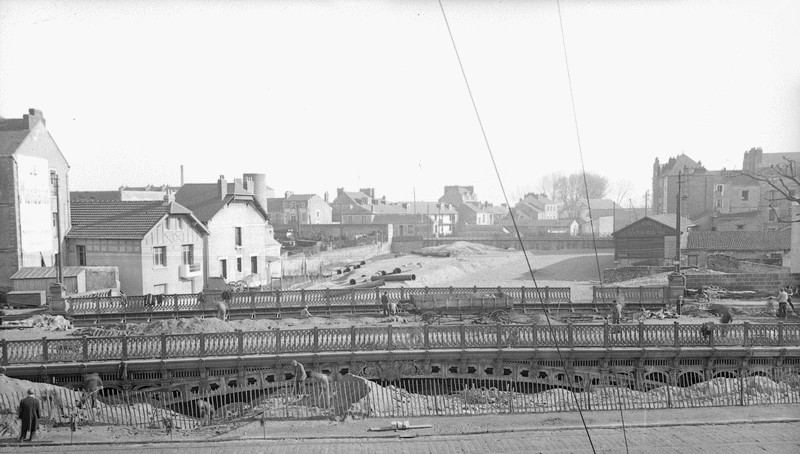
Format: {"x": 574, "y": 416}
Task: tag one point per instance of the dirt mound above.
{"x": 464, "y": 248}
{"x": 181, "y": 326}
{"x": 44, "y": 322}
{"x": 654, "y": 280}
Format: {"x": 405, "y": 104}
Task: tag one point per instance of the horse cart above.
{"x": 487, "y": 307}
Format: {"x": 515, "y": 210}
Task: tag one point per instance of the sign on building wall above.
{"x": 35, "y": 215}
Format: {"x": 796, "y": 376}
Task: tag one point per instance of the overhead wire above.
{"x": 586, "y": 188}
{"x": 516, "y": 228}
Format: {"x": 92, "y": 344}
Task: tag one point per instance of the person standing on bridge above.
{"x": 783, "y": 298}
{"x": 29, "y": 414}
{"x": 616, "y": 316}
{"x": 385, "y": 303}
{"x": 299, "y": 377}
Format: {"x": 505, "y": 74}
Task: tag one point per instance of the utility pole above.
{"x": 58, "y": 229}
{"x": 678, "y": 228}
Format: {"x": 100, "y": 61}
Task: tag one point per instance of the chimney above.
{"x": 169, "y": 197}
{"x": 287, "y": 194}
{"x": 339, "y": 191}
{"x": 181, "y": 175}
{"x": 223, "y": 187}
{"x": 257, "y": 185}
{"x": 32, "y": 117}
{"x": 325, "y": 197}
{"x": 237, "y": 185}
{"x": 249, "y": 184}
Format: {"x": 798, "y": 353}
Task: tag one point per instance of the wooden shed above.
{"x": 650, "y": 239}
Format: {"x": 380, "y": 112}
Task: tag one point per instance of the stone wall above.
{"x": 761, "y": 283}
{"x": 631, "y": 272}
{"x": 729, "y": 264}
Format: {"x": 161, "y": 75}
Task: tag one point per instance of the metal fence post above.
{"x": 569, "y": 334}
{"x": 780, "y": 334}
{"x": 462, "y": 335}
{"x": 641, "y": 334}
{"x": 389, "y": 337}
{"x": 352, "y": 339}
{"x": 425, "y": 334}
{"x": 746, "y": 334}
{"x": 499, "y": 335}
{"x": 522, "y": 292}
{"x": 605, "y": 334}
{"x": 277, "y": 341}
{"x": 5, "y": 351}
{"x": 676, "y": 332}
{"x": 316, "y": 339}
{"x": 202, "y": 344}
{"x": 85, "y": 348}
{"x": 163, "y": 345}
{"x": 535, "y": 332}
{"x": 44, "y": 350}
{"x": 547, "y": 294}
{"x": 240, "y": 339}
{"x": 302, "y": 297}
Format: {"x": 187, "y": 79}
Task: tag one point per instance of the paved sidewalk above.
{"x": 729, "y": 430}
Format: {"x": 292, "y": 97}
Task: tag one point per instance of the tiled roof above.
{"x": 739, "y": 215}
{"x": 740, "y": 241}
{"x": 121, "y": 220}
{"x": 46, "y": 272}
{"x": 204, "y": 201}
{"x": 95, "y": 195}
{"x": 669, "y": 220}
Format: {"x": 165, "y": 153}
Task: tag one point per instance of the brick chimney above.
{"x": 169, "y": 197}
{"x": 32, "y": 117}
{"x": 223, "y": 187}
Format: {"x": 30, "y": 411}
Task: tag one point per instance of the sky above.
{"x": 369, "y": 94}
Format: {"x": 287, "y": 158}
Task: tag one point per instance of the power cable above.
{"x": 516, "y": 228}
{"x": 586, "y": 187}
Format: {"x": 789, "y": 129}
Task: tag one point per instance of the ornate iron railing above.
{"x": 640, "y": 295}
{"x": 386, "y": 338}
{"x": 292, "y": 300}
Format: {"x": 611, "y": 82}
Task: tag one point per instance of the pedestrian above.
{"x": 299, "y": 377}
{"x": 616, "y": 315}
{"x": 783, "y": 298}
{"x": 92, "y": 384}
{"x": 206, "y": 411}
{"x": 304, "y": 313}
{"x": 385, "y": 303}
{"x": 222, "y": 310}
{"x": 789, "y": 293}
{"x": 29, "y": 414}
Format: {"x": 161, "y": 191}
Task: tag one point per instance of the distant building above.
{"x": 126, "y": 193}
{"x": 762, "y": 246}
{"x": 544, "y": 227}
{"x": 34, "y": 195}
{"x": 458, "y": 195}
{"x": 241, "y": 244}
{"x": 353, "y": 204}
{"x": 295, "y": 210}
{"x": 537, "y": 206}
{"x": 158, "y": 246}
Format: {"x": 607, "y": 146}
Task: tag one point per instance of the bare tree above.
{"x": 782, "y": 178}
{"x": 571, "y": 189}
{"x": 620, "y": 191}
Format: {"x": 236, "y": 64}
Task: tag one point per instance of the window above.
{"x": 187, "y": 253}
{"x": 81, "y": 251}
{"x": 180, "y": 223}
{"x": 317, "y": 214}
{"x": 400, "y": 230}
{"x": 160, "y": 256}
{"x": 691, "y": 260}
{"x": 55, "y": 220}
{"x": 223, "y": 267}
{"x": 745, "y": 196}
{"x": 53, "y": 183}
{"x": 239, "y": 264}
{"x": 718, "y": 188}
{"x": 718, "y": 203}
{"x": 238, "y": 236}
{"x": 160, "y": 289}
{"x": 254, "y": 264}
{"x": 739, "y": 226}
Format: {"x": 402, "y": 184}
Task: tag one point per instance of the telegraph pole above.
{"x": 58, "y": 229}
{"x": 678, "y": 228}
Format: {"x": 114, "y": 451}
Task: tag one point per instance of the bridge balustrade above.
{"x": 640, "y": 295}
{"x": 428, "y": 337}
{"x": 295, "y": 299}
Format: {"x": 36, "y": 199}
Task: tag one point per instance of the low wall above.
{"x": 728, "y": 264}
{"x": 315, "y": 264}
{"x": 406, "y": 244}
{"x": 762, "y": 283}
{"x": 626, "y": 273}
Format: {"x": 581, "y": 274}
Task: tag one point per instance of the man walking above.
{"x": 29, "y": 415}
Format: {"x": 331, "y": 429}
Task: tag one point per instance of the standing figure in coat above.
{"x": 29, "y": 413}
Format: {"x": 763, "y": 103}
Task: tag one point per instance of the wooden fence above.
{"x": 388, "y": 338}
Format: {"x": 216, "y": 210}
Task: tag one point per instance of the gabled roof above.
{"x": 433, "y": 208}
{"x": 14, "y": 132}
{"x": 122, "y": 220}
{"x": 768, "y": 159}
{"x": 667, "y": 220}
{"x": 204, "y": 201}
{"x": 740, "y": 241}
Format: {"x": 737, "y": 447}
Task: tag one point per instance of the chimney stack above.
{"x": 181, "y": 175}
{"x": 169, "y": 196}
{"x": 257, "y": 185}
{"x": 223, "y": 187}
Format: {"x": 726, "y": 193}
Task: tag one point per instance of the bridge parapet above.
{"x": 389, "y": 338}
{"x": 640, "y": 295}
